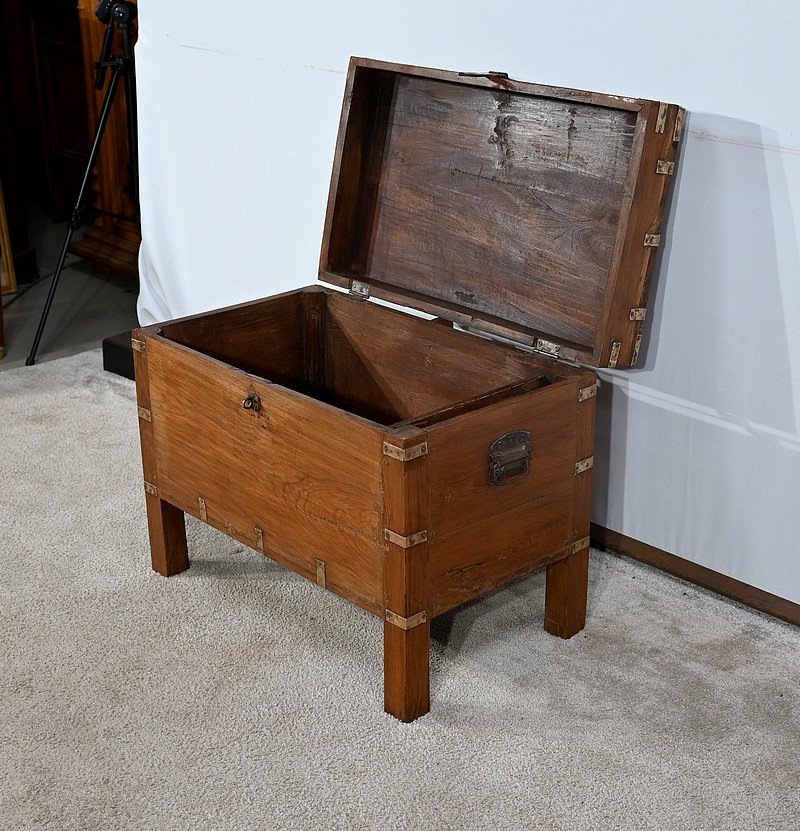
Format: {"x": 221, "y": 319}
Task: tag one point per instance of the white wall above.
{"x": 699, "y": 449}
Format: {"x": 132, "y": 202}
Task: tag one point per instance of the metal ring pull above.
{"x": 252, "y": 402}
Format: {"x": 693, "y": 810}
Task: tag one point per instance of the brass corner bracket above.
{"x": 405, "y": 623}
{"x": 405, "y": 542}
{"x": 579, "y": 545}
{"x": 405, "y": 454}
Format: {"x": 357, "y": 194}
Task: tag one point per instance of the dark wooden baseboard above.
{"x": 699, "y": 575}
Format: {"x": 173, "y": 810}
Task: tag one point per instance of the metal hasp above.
{"x": 509, "y": 457}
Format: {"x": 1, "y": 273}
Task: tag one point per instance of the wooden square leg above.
{"x": 167, "y": 528}
{"x": 565, "y": 600}
{"x": 406, "y": 671}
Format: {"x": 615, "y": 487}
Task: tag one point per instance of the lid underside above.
{"x": 495, "y": 203}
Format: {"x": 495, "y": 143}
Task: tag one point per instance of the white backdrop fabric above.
{"x": 699, "y": 448}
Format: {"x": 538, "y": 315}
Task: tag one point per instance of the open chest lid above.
{"x": 529, "y": 211}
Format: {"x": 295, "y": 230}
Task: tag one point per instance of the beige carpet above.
{"x": 238, "y": 696}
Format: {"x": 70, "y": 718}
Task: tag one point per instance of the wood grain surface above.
{"x": 500, "y": 203}
{"x": 459, "y": 457}
{"x": 392, "y": 366}
{"x": 483, "y": 536}
{"x": 568, "y": 579}
{"x": 165, "y": 523}
{"x": 305, "y": 474}
{"x": 406, "y": 581}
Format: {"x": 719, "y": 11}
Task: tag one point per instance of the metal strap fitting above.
{"x": 579, "y": 545}
{"x": 322, "y": 578}
{"x": 405, "y": 542}
{"x": 405, "y": 454}
{"x": 405, "y": 623}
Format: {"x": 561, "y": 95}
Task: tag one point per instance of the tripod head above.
{"x": 118, "y": 11}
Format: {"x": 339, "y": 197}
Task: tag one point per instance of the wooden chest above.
{"x": 404, "y": 464}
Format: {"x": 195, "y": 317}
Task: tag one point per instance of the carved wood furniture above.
{"x": 406, "y": 465}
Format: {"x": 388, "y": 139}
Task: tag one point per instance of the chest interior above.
{"x": 387, "y": 366}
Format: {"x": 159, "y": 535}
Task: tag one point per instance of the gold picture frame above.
{"x": 8, "y": 278}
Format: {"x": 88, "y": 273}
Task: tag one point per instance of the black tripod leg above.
{"x": 75, "y": 218}
{"x": 131, "y": 116}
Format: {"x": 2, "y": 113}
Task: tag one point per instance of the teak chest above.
{"x": 404, "y": 464}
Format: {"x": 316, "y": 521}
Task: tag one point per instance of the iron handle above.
{"x": 509, "y": 457}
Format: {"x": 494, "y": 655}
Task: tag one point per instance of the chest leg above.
{"x": 565, "y": 599}
{"x": 406, "y": 671}
{"x": 167, "y": 529}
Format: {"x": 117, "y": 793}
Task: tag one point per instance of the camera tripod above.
{"x": 116, "y": 14}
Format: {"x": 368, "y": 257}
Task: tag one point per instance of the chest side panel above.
{"x": 304, "y": 475}
{"x": 483, "y": 535}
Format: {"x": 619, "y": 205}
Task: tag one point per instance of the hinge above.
{"x": 636, "y": 347}
{"x": 138, "y": 345}
{"x": 547, "y": 347}
{"x": 322, "y": 579}
{"x": 652, "y": 240}
{"x": 583, "y": 465}
{"x": 614, "y": 356}
{"x": 405, "y": 542}
{"x": 637, "y": 314}
{"x": 359, "y": 290}
{"x": 405, "y": 454}
{"x": 580, "y": 544}
{"x": 587, "y": 392}
{"x": 665, "y": 167}
{"x": 201, "y": 503}
{"x": 405, "y": 623}
{"x": 144, "y": 414}
{"x": 676, "y": 133}
{"x": 661, "y": 119}
{"x": 259, "y": 539}
{"x": 151, "y": 489}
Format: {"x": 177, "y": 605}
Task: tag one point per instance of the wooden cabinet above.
{"x": 110, "y": 244}
{"x": 61, "y": 97}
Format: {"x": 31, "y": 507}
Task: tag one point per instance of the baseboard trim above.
{"x": 757, "y": 599}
